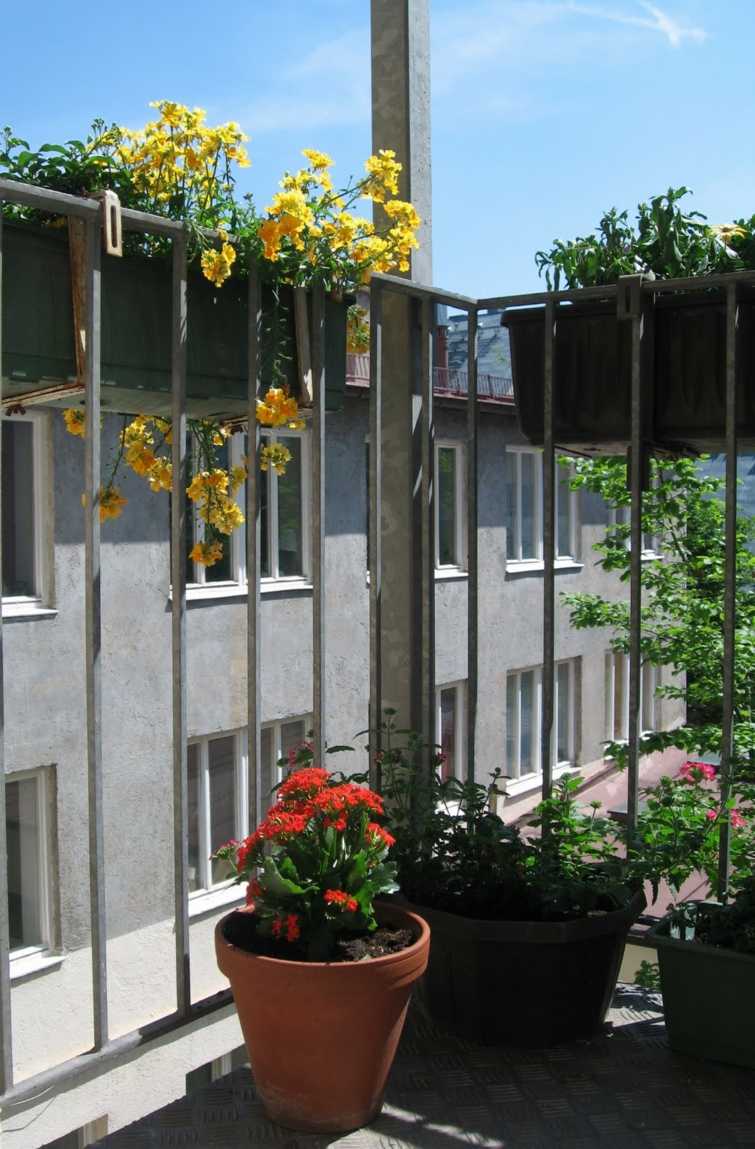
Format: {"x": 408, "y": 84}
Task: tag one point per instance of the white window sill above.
{"x": 207, "y": 901}
{"x": 26, "y": 608}
{"x": 516, "y": 787}
{"x": 537, "y": 566}
{"x": 234, "y": 591}
{"x": 28, "y": 962}
{"x": 450, "y": 574}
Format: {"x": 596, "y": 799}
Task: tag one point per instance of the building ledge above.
{"x": 537, "y": 566}
{"x": 28, "y": 964}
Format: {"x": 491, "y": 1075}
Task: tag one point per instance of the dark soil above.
{"x": 240, "y": 930}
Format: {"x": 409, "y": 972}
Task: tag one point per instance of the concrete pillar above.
{"x": 401, "y": 121}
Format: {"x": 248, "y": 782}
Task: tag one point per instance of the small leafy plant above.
{"x": 315, "y": 864}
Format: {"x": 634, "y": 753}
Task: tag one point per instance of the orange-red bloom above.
{"x": 341, "y": 898}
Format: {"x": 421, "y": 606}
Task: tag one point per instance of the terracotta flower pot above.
{"x": 321, "y": 1036}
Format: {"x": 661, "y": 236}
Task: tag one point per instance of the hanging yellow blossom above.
{"x": 161, "y": 475}
{"x": 274, "y": 455}
{"x": 383, "y": 172}
{"x": 216, "y": 265}
{"x": 277, "y": 409}
{"x": 206, "y": 554}
{"x": 75, "y": 421}
{"x": 112, "y": 503}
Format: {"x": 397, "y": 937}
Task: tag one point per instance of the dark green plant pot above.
{"x": 524, "y": 983}
{"x": 683, "y": 374}
{"x": 136, "y": 330}
{"x": 708, "y": 999}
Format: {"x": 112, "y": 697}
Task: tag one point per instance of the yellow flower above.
{"x": 160, "y": 475}
{"x": 382, "y": 176}
{"x": 238, "y": 477}
{"x": 112, "y": 503}
{"x": 727, "y": 231}
{"x": 274, "y": 455}
{"x": 318, "y": 160}
{"x": 216, "y": 265}
{"x": 278, "y": 408}
{"x": 75, "y": 421}
{"x": 206, "y": 554}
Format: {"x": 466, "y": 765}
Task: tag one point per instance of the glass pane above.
{"x": 289, "y": 512}
{"x": 527, "y": 735}
{"x": 18, "y": 509}
{"x": 648, "y": 696}
{"x": 447, "y": 555}
{"x": 511, "y": 696}
{"x": 265, "y": 571}
{"x": 195, "y": 875}
{"x": 620, "y": 692}
{"x": 292, "y": 736}
{"x": 222, "y": 799}
{"x": 267, "y": 775}
{"x": 22, "y": 826}
{"x": 528, "y": 505}
{"x": 563, "y": 747}
{"x": 222, "y": 570}
{"x": 448, "y": 732}
{"x": 563, "y": 538}
{"x": 509, "y": 503}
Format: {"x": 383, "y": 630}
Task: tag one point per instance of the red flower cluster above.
{"x": 341, "y": 898}
{"x": 376, "y": 831}
{"x": 697, "y": 771}
{"x": 735, "y": 818}
{"x": 287, "y": 927}
{"x": 303, "y": 783}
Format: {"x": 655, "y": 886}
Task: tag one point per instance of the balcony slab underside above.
{"x": 624, "y": 1088}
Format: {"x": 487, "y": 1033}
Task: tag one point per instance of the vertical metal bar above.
{"x": 472, "y": 573}
{"x": 318, "y": 522}
{"x": 730, "y": 590}
{"x": 424, "y": 569}
{"x": 630, "y": 306}
{"x": 178, "y": 626}
{"x": 375, "y": 541}
{"x": 253, "y": 631}
{"x": 549, "y": 553}
{"x": 92, "y": 634}
{"x": 6, "y": 1030}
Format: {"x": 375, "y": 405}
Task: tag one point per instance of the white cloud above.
{"x": 655, "y": 21}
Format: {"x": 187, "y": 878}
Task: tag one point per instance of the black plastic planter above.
{"x": 683, "y": 373}
{"x": 38, "y": 341}
{"x": 524, "y": 983}
{"x": 708, "y": 999}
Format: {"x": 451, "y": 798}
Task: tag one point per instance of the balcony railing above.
{"x": 448, "y": 382}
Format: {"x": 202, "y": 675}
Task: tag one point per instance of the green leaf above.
{"x": 277, "y": 884}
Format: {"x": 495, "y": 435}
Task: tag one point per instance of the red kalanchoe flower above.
{"x": 341, "y": 898}
{"x": 292, "y": 927}
{"x": 376, "y": 831}
{"x": 697, "y": 771}
{"x": 736, "y": 819}
{"x": 304, "y": 783}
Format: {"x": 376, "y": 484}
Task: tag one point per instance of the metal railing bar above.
{"x": 423, "y": 291}
{"x": 318, "y": 522}
{"x": 6, "y": 1025}
{"x": 67, "y": 1073}
{"x": 29, "y": 195}
{"x": 178, "y": 624}
{"x": 253, "y": 551}
{"x": 93, "y": 632}
{"x": 608, "y": 291}
{"x": 549, "y": 550}
{"x": 375, "y": 540}
{"x": 637, "y": 462}
{"x": 424, "y": 569}
{"x": 471, "y": 541}
{"x": 730, "y": 589}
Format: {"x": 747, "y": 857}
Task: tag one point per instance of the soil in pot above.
{"x": 240, "y": 931}
{"x": 321, "y": 1036}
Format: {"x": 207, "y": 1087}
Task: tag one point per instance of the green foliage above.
{"x": 454, "y": 853}
{"x": 665, "y": 242}
{"x": 731, "y": 926}
{"x": 648, "y": 976}
{"x": 77, "y": 167}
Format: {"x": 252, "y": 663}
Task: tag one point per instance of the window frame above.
{"x": 459, "y": 686}
{"x": 535, "y": 561}
{"x": 205, "y": 885}
{"x": 40, "y": 777}
{"x": 276, "y": 725}
{"x": 200, "y": 586}
{"x": 14, "y": 605}
{"x": 559, "y": 766}
{"x": 460, "y": 532}
{"x": 650, "y": 672}
{"x": 621, "y": 516}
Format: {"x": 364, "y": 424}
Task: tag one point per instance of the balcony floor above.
{"x": 623, "y": 1089}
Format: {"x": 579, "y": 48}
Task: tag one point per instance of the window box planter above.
{"x": 683, "y": 373}
{"x": 321, "y": 1036}
{"x": 38, "y": 341}
{"x": 524, "y": 983}
{"x": 708, "y": 998}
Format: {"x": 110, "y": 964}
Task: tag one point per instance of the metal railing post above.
{"x": 471, "y": 541}
{"x": 6, "y": 1028}
{"x": 178, "y": 554}
{"x": 549, "y": 553}
{"x": 253, "y": 551}
{"x": 318, "y": 524}
{"x": 375, "y": 540}
{"x": 423, "y": 566}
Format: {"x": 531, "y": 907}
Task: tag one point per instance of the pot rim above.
{"x": 386, "y": 959}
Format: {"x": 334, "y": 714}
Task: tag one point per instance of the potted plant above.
{"x": 529, "y": 923}
{"x": 684, "y": 358}
{"x": 320, "y": 975}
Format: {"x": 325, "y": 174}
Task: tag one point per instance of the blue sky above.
{"x": 545, "y": 112}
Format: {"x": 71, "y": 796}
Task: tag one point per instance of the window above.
{"x": 218, "y": 803}
{"x": 28, "y": 879}
{"x": 277, "y": 738}
{"x": 523, "y": 719}
{"x": 617, "y": 696}
{"x": 204, "y": 1075}
{"x": 449, "y": 506}
{"x": 523, "y": 482}
{"x": 81, "y": 1137}
{"x": 24, "y": 523}
{"x": 622, "y": 516}
{"x": 450, "y": 727}
{"x": 284, "y": 517}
